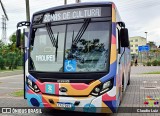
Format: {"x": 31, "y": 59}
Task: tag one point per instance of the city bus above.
{"x": 77, "y": 58}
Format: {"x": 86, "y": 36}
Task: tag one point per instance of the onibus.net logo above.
{"x": 151, "y": 101}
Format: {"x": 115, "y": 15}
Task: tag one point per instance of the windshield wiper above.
{"x": 52, "y": 38}
{"x": 81, "y": 31}
{"x": 56, "y": 47}
{"x": 78, "y": 38}
{"x": 51, "y": 34}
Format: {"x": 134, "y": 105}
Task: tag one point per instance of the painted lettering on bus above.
{"x": 72, "y": 14}
{"x": 53, "y": 17}
{"x": 45, "y": 58}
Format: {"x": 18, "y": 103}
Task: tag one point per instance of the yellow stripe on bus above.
{"x": 113, "y": 15}
{"x": 113, "y": 56}
{"x": 73, "y": 91}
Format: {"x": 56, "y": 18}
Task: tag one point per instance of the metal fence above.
{"x": 144, "y": 57}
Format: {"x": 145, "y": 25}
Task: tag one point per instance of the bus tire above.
{"x": 122, "y": 90}
{"x": 128, "y": 79}
{"x": 123, "y": 84}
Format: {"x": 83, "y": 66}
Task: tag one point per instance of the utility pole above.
{"x": 27, "y": 11}
{"x": 4, "y": 32}
{"x": 78, "y": 1}
{"x": 4, "y": 18}
{"x": 65, "y": 2}
{"x": 4, "y": 11}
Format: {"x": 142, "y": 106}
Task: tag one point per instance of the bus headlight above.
{"x": 106, "y": 84}
{"x": 102, "y": 88}
{"x": 106, "y": 87}
{"x": 29, "y": 82}
{"x": 32, "y": 86}
{"x": 96, "y": 91}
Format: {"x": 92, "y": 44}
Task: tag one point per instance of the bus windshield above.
{"x": 78, "y": 47}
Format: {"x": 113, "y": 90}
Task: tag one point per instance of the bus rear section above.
{"x": 71, "y": 59}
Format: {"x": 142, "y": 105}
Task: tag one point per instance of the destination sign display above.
{"x": 72, "y": 14}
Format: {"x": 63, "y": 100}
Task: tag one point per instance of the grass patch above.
{"x": 0, "y": 82}
{"x": 5, "y": 70}
{"x": 18, "y": 93}
{"x": 18, "y": 68}
{"x": 152, "y": 73}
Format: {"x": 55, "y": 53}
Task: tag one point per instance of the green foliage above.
{"x": 158, "y": 63}
{"x": 1, "y": 44}
{"x": 13, "y": 38}
{"x": 144, "y": 63}
{"x": 155, "y": 63}
{"x": 18, "y": 93}
{"x": 148, "y": 63}
{"x": 10, "y": 56}
{"x": 2, "y": 63}
{"x": 152, "y": 72}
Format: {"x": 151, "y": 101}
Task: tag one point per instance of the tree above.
{"x": 10, "y": 56}
{"x": 2, "y": 63}
{"x": 14, "y": 54}
{"x": 152, "y": 45}
{"x": 1, "y": 44}
{"x": 13, "y": 38}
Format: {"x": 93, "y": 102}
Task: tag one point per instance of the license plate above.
{"x": 64, "y": 105}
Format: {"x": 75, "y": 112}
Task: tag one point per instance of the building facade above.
{"x": 135, "y": 42}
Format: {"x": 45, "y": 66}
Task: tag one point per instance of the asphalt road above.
{"x": 10, "y": 84}
{"x": 141, "y": 86}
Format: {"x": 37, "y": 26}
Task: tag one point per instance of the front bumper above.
{"x": 100, "y": 104}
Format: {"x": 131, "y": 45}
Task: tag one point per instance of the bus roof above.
{"x": 74, "y": 5}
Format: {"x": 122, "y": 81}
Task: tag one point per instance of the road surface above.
{"x": 142, "y": 85}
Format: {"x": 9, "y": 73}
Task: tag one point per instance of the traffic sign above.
{"x": 144, "y": 48}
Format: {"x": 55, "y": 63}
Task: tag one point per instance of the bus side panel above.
{"x": 127, "y": 66}
{"x": 120, "y": 67}
{"x": 115, "y": 19}
{"x": 123, "y": 68}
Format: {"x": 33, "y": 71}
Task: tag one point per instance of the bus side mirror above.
{"x": 18, "y": 38}
{"x": 32, "y": 36}
{"x": 124, "y": 37}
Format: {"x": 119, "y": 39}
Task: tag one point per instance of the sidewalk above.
{"x": 10, "y": 73}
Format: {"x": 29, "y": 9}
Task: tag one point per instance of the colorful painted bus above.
{"x": 77, "y": 57}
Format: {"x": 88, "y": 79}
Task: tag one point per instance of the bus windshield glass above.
{"x": 78, "y": 47}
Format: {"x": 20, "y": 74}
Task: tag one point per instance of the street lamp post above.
{"x": 27, "y": 10}
{"x": 78, "y": 1}
{"x": 65, "y": 2}
{"x": 146, "y": 35}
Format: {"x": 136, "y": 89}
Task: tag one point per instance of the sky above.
{"x": 140, "y": 16}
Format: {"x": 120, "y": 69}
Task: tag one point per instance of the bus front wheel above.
{"x": 122, "y": 90}
{"x": 128, "y": 79}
